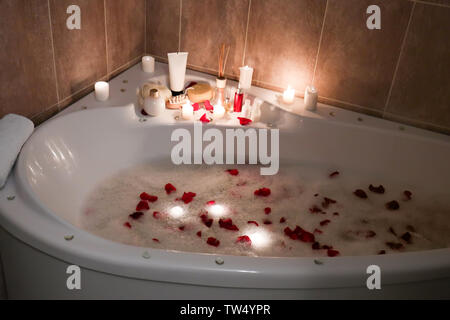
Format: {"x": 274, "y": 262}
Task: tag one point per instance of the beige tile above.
{"x": 208, "y": 23}
{"x": 163, "y": 22}
{"x": 421, "y": 90}
{"x": 125, "y": 31}
{"x": 80, "y": 54}
{"x": 355, "y": 64}
{"x": 27, "y": 75}
{"x": 283, "y": 38}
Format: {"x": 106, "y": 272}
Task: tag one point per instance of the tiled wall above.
{"x": 45, "y": 66}
{"x": 401, "y": 72}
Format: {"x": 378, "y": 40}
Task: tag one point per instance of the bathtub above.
{"x": 68, "y": 155}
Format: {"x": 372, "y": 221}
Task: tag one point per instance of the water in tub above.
{"x": 301, "y": 211}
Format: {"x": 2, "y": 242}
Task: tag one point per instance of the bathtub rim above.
{"x": 263, "y": 272}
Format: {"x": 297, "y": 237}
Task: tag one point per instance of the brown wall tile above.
{"x": 355, "y": 64}
{"x": 125, "y": 24}
{"x": 421, "y": 89}
{"x": 283, "y": 38}
{"x": 163, "y": 22}
{"x": 208, "y": 23}
{"x": 27, "y": 75}
{"x": 80, "y": 54}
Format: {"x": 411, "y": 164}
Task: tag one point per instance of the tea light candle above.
{"x": 101, "y": 91}
{"x": 245, "y": 77}
{"x": 311, "y": 98}
{"x": 187, "y": 111}
{"x": 148, "y": 64}
{"x": 289, "y": 95}
{"x": 219, "y": 112}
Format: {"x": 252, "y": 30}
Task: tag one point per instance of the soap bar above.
{"x": 200, "y": 92}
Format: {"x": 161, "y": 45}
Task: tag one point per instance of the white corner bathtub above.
{"x": 68, "y": 155}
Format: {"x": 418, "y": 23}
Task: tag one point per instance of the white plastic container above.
{"x": 154, "y": 104}
{"x": 177, "y": 70}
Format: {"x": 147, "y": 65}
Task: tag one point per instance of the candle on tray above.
{"x": 219, "y": 112}
{"x": 148, "y": 64}
{"x": 101, "y": 90}
{"x": 245, "y": 78}
{"x": 311, "y": 98}
{"x": 289, "y": 95}
{"x": 187, "y": 111}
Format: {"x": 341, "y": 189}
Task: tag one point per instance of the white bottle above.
{"x": 246, "y": 109}
{"x": 154, "y": 104}
{"x": 256, "y": 110}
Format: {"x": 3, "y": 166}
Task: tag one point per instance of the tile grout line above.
{"x": 145, "y": 27}
{"x": 53, "y": 52}
{"x": 398, "y": 117}
{"x": 431, "y": 3}
{"x": 246, "y": 32}
{"x": 320, "y": 44}
{"x": 179, "y": 26}
{"x": 106, "y": 38}
{"x": 402, "y": 47}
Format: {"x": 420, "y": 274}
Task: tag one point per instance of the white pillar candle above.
{"x": 219, "y": 112}
{"x": 148, "y": 64}
{"x": 289, "y": 95}
{"x": 311, "y": 98}
{"x": 245, "y": 77}
{"x": 101, "y": 91}
{"x": 187, "y": 111}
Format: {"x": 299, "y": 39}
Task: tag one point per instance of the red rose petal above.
{"x": 204, "y": 119}
{"x": 324, "y": 222}
{"x": 136, "y": 215}
{"x": 334, "y": 174}
{"x": 155, "y": 240}
{"x": 208, "y": 106}
{"x": 244, "y": 239}
{"x": 327, "y": 201}
{"x": 188, "y": 197}
{"x": 360, "y": 194}
{"x": 318, "y": 231}
{"x": 315, "y": 209}
{"x": 267, "y": 222}
{"x": 392, "y": 205}
{"x": 170, "y": 188}
{"x": 379, "y": 189}
{"x": 228, "y": 224}
{"x": 244, "y": 121}
{"x": 181, "y": 228}
{"x": 142, "y": 206}
{"x": 127, "y": 224}
{"x": 267, "y": 210}
{"x": 199, "y": 234}
{"x": 395, "y": 245}
{"x": 210, "y": 203}
{"x": 233, "y": 172}
{"x": 282, "y": 220}
{"x": 148, "y": 197}
{"x": 206, "y": 221}
{"x": 316, "y": 246}
{"x": 156, "y": 214}
{"x": 196, "y": 106}
{"x": 407, "y": 194}
{"x": 336, "y": 214}
{"x": 370, "y": 234}
{"x": 213, "y": 242}
{"x": 407, "y": 237}
{"x": 332, "y": 253}
{"x": 254, "y": 222}
{"x": 299, "y": 234}
{"x": 263, "y": 192}
{"x": 382, "y": 252}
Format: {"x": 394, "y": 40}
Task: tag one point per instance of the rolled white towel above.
{"x": 14, "y": 131}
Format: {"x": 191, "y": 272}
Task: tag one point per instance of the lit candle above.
{"x": 187, "y": 111}
{"x": 148, "y": 64}
{"x": 289, "y": 95}
{"x": 245, "y": 78}
{"x": 219, "y": 112}
{"x": 101, "y": 91}
{"x": 310, "y": 98}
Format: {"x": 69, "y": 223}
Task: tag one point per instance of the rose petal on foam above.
{"x": 379, "y": 189}
{"x": 299, "y": 234}
{"x": 267, "y": 210}
{"x": 244, "y": 239}
{"x": 156, "y": 214}
{"x": 181, "y": 228}
{"x": 136, "y": 215}
{"x": 263, "y": 192}
{"x": 253, "y": 222}
{"x": 407, "y": 194}
{"x": 315, "y": 209}
{"x": 208, "y": 106}
{"x": 188, "y": 197}
{"x": 204, "y": 119}
{"x": 213, "y": 242}
{"x": 334, "y": 174}
{"x": 360, "y": 194}
{"x": 142, "y": 206}
{"x": 127, "y": 224}
{"x": 332, "y": 253}
{"x": 210, "y": 203}
{"x": 228, "y": 224}
{"x": 392, "y": 205}
{"x": 233, "y": 172}
{"x": 282, "y": 220}
{"x": 325, "y": 222}
{"x": 395, "y": 245}
{"x": 196, "y": 106}
{"x": 169, "y": 188}
{"x": 327, "y": 201}
{"x": 199, "y": 234}
{"x": 244, "y": 121}
{"x": 267, "y": 222}
{"x": 317, "y": 231}
{"x": 155, "y": 240}
{"x": 148, "y": 197}
{"x": 206, "y": 221}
